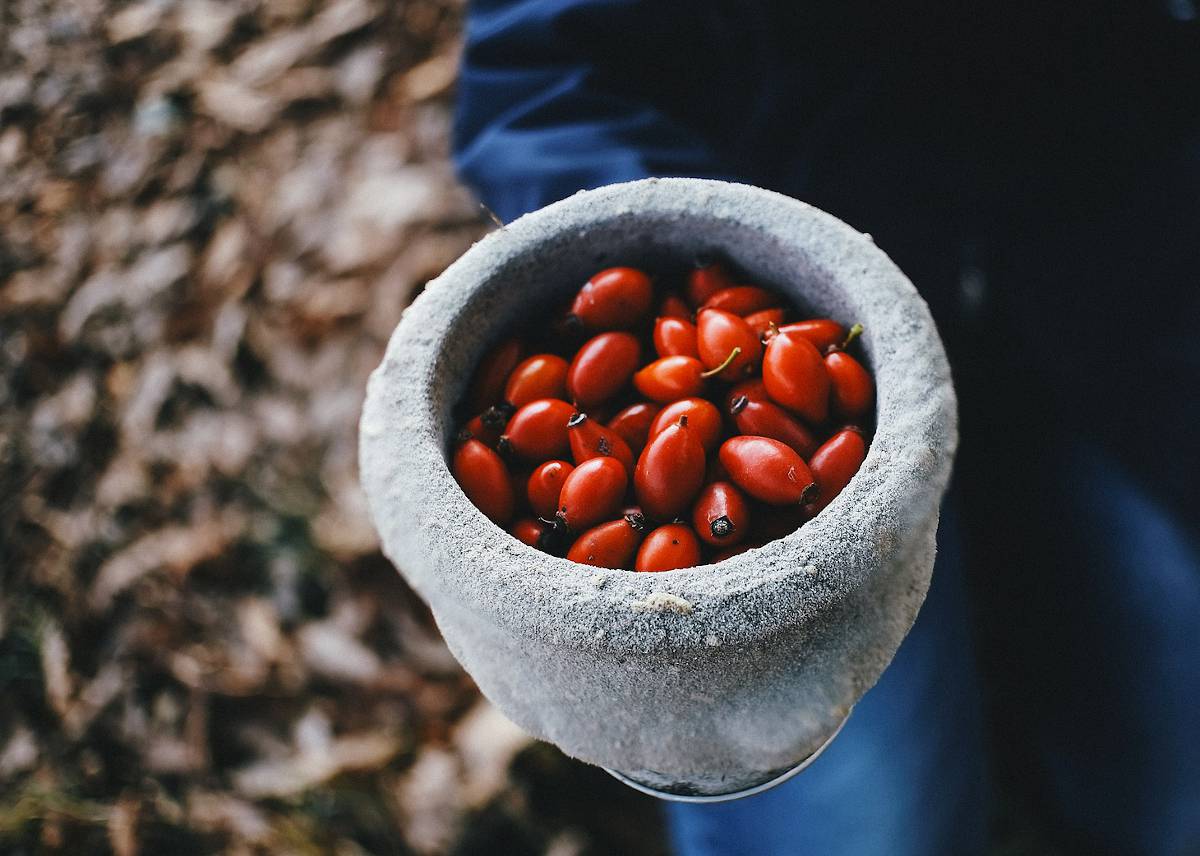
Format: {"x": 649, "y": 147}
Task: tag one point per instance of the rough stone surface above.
{"x": 775, "y": 645}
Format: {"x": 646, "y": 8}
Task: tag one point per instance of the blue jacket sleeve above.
{"x": 561, "y": 95}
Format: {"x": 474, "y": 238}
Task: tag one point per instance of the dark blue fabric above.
{"x": 1121, "y": 749}
{"x": 1035, "y": 169}
{"x": 1090, "y": 623}
{"x": 547, "y": 106}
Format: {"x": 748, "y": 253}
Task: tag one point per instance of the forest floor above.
{"x": 211, "y": 217}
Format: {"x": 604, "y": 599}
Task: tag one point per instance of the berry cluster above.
{"x": 742, "y": 427}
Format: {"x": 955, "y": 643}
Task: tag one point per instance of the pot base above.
{"x": 685, "y": 794}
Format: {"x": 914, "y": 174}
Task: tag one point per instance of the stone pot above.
{"x": 706, "y": 681}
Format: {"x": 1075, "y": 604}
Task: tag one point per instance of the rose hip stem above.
{"x": 733, "y": 355}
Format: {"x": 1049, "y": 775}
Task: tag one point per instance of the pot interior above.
{"x": 529, "y": 285}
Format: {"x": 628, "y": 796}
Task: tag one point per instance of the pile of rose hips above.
{"x": 624, "y": 438}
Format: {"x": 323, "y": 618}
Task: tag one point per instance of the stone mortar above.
{"x": 705, "y": 680}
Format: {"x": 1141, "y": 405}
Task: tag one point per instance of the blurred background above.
{"x": 211, "y": 217}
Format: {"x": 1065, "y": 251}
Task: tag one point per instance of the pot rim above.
{"x": 780, "y": 586}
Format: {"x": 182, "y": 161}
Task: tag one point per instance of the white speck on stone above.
{"x": 661, "y": 601}
{"x": 600, "y": 580}
{"x": 711, "y": 641}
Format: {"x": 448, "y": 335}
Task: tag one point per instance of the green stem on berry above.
{"x": 733, "y": 355}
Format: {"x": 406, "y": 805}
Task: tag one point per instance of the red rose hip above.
{"x": 720, "y": 334}
{"x": 602, "y": 368}
{"x": 538, "y": 431}
{"x": 668, "y": 548}
{"x": 852, "y": 389}
{"x": 835, "y": 463}
{"x": 674, "y": 306}
{"x": 675, "y": 337}
{"x": 703, "y": 419}
{"x": 484, "y": 427}
{"x": 742, "y": 299}
{"x": 544, "y": 486}
{"x": 795, "y": 376}
{"x": 589, "y": 439}
{"x": 539, "y": 376}
{"x": 763, "y": 321}
{"x": 528, "y": 531}
{"x": 768, "y": 470}
{"x": 610, "y": 545}
{"x": 632, "y": 424}
{"x": 614, "y": 299}
{"x": 752, "y": 388}
{"x": 721, "y": 515}
{"x": 822, "y": 332}
{"x": 592, "y": 492}
{"x": 705, "y": 280}
{"x": 669, "y": 472}
{"x": 484, "y": 479}
{"x": 670, "y": 378}
{"x": 760, "y": 418}
{"x": 487, "y": 386}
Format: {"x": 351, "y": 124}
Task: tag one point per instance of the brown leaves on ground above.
{"x": 211, "y": 217}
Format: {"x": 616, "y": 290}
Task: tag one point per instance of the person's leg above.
{"x": 1096, "y": 629}
{"x": 905, "y": 776}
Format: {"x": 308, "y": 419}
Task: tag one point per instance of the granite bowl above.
{"x": 706, "y": 681}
